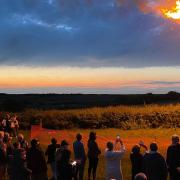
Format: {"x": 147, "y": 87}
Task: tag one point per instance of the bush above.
{"x": 123, "y": 117}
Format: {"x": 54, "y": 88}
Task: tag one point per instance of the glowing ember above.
{"x": 174, "y": 13}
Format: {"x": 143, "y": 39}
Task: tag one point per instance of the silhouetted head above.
{"x": 110, "y": 146}
{"x": 34, "y": 143}
{"x": 54, "y": 141}
{"x": 92, "y": 136}
{"x": 64, "y": 144}
{"x": 153, "y": 146}
{"x": 175, "y": 139}
{"x": 136, "y": 149}
{"x": 140, "y": 176}
{"x": 79, "y": 137}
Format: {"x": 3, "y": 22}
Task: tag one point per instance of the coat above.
{"x": 113, "y": 164}
{"x": 154, "y": 166}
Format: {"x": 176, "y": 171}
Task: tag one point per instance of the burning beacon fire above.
{"x": 173, "y": 13}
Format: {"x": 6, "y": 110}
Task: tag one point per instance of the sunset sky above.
{"x": 89, "y": 46}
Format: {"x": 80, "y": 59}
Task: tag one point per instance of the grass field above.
{"x": 130, "y": 137}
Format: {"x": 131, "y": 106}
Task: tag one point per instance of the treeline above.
{"x": 123, "y": 117}
{"x": 14, "y": 102}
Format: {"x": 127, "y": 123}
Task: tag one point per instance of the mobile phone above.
{"x": 74, "y": 163}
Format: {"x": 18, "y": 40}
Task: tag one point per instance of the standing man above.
{"x": 154, "y": 164}
{"x": 173, "y": 158}
{"x": 64, "y": 169}
{"x": 50, "y": 152}
{"x": 36, "y": 161}
{"x": 80, "y": 156}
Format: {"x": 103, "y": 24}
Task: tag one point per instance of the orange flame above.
{"x": 174, "y": 13}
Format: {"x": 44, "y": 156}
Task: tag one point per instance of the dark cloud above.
{"x": 164, "y": 83}
{"x": 87, "y": 33}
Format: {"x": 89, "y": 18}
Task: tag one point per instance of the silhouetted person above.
{"x": 137, "y": 159}
{"x": 80, "y": 157}
{"x": 36, "y": 161}
{"x": 7, "y": 123}
{"x": 9, "y": 150}
{"x": 63, "y": 165}
{"x": 113, "y": 160}
{"x": 50, "y": 152}
{"x": 140, "y": 176}
{"x": 173, "y": 158}
{"x": 19, "y": 171}
{"x": 93, "y": 153}
{"x": 2, "y": 157}
{"x": 154, "y": 165}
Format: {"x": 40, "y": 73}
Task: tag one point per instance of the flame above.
{"x": 174, "y": 13}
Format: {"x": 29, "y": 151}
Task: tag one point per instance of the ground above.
{"x": 130, "y": 137}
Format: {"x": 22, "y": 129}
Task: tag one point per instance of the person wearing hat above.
{"x": 64, "y": 169}
{"x": 36, "y": 161}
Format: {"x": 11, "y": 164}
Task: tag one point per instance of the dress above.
{"x": 113, "y": 164}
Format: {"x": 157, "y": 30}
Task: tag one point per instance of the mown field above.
{"x": 130, "y": 137}
{"x": 123, "y": 117}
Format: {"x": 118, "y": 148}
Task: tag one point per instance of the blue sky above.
{"x": 81, "y": 34}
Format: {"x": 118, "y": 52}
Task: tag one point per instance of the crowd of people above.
{"x": 21, "y": 161}
{"x": 9, "y": 123}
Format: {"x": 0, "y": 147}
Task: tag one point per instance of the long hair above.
{"x": 92, "y": 136}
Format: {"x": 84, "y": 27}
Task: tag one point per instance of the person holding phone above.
{"x": 80, "y": 156}
{"x": 136, "y": 158}
{"x": 113, "y": 159}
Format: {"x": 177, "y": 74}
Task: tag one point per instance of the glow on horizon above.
{"x": 32, "y": 77}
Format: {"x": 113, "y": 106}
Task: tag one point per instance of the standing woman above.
{"x": 93, "y": 153}
{"x": 113, "y": 160}
{"x": 136, "y": 158}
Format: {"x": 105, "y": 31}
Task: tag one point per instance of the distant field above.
{"x": 130, "y": 137}
{"x": 123, "y": 117}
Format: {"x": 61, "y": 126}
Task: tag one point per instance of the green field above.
{"x": 130, "y": 137}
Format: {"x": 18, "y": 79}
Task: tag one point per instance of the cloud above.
{"x": 87, "y": 33}
{"x": 164, "y": 82}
